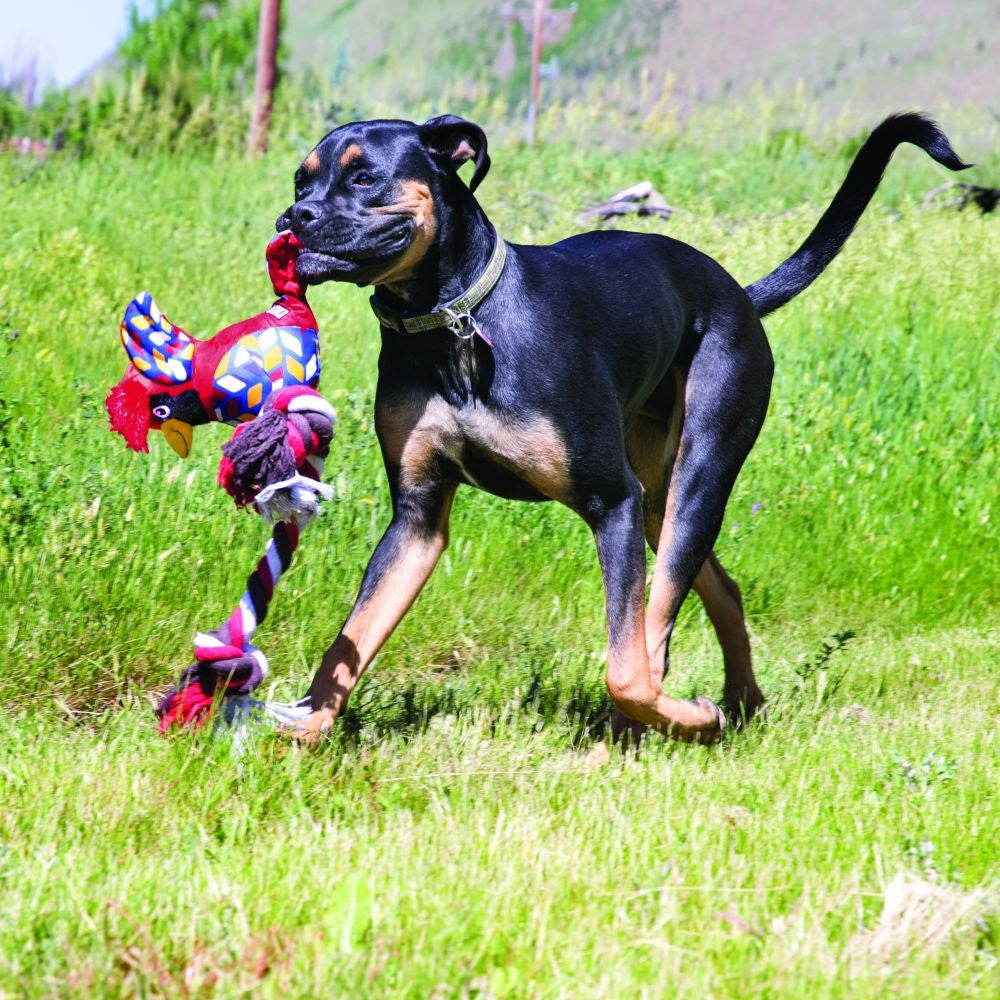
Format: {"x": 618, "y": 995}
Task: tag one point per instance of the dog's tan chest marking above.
{"x": 529, "y": 447}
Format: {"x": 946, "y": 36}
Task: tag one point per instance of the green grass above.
{"x": 459, "y": 834}
{"x": 483, "y": 851}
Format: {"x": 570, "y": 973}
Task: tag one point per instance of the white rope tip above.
{"x": 241, "y": 709}
{"x": 285, "y": 714}
{"x": 297, "y": 500}
{"x": 242, "y": 718}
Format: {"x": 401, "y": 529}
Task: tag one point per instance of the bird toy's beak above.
{"x": 179, "y": 435}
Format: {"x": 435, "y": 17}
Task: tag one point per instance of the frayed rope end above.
{"x": 296, "y": 500}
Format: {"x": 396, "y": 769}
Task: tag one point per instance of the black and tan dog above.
{"x": 625, "y": 375}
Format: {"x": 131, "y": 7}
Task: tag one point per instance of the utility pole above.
{"x": 543, "y": 23}
{"x": 267, "y": 73}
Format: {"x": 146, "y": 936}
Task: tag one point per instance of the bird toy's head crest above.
{"x": 157, "y": 392}
{"x": 162, "y": 352}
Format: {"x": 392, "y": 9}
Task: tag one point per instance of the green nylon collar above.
{"x": 456, "y": 315}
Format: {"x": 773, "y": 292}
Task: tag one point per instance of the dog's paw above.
{"x": 713, "y": 728}
{"x": 309, "y": 732}
{"x": 626, "y": 734}
{"x": 743, "y": 706}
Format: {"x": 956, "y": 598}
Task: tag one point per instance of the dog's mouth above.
{"x": 358, "y": 259}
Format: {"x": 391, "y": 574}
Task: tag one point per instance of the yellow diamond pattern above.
{"x": 272, "y": 358}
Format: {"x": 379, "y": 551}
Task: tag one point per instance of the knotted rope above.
{"x": 272, "y": 464}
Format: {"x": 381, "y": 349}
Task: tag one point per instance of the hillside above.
{"x": 871, "y": 57}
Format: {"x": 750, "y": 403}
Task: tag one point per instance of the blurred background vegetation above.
{"x": 182, "y": 79}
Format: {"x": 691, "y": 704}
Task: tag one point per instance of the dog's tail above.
{"x": 824, "y": 242}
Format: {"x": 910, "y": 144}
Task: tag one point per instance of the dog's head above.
{"x": 371, "y": 198}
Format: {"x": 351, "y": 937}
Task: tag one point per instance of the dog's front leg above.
{"x": 398, "y": 569}
{"x": 618, "y": 532}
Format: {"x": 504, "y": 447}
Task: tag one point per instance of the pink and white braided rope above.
{"x": 273, "y": 464}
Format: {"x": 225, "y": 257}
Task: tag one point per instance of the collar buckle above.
{"x": 464, "y": 326}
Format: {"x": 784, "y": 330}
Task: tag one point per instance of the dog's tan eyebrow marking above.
{"x": 311, "y": 162}
{"x": 349, "y": 155}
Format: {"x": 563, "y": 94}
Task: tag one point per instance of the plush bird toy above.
{"x": 176, "y": 382}
{"x": 260, "y": 375}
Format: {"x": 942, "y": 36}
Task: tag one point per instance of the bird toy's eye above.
{"x": 161, "y": 412}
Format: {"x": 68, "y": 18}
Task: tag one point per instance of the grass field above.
{"x": 463, "y": 831}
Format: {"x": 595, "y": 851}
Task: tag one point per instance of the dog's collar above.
{"x": 457, "y": 314}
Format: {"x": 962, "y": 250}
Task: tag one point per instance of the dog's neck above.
{"x": 460, "y": 253}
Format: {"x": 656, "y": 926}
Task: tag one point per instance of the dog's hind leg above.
{"x": 651, "y": 445}
{"x": 618, "y": 531}
{"x": 725, "y": 397}
{"x": 724, "y": 605}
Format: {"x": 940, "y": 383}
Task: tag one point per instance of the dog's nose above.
{"x": 302, "y": 214}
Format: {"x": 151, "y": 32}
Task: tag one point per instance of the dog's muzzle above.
{"x": 352, "y": 247}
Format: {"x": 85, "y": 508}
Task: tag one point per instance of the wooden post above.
{"x": 267, "y": 72}
{"x": 537, "y": 28}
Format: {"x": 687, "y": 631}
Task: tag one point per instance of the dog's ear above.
{"x": 453, "y": 141}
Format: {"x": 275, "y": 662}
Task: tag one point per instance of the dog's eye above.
{"x": 363, "y": 179}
